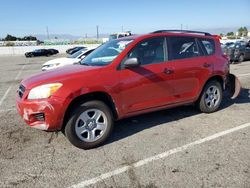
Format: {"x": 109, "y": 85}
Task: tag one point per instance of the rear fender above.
{"x": 233, "y": 86}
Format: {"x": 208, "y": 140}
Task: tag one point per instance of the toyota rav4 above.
{"x": 123, "y": 78}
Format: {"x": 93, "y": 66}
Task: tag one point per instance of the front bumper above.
{"x": 44, "y": 114}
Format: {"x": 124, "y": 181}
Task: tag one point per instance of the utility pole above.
{"x": 47, "y": 30}
{"x": 97, "y": 32}
{"x": 86, "y": 36}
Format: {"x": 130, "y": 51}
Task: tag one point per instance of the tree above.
{"x": 28, "y": 38}
{"x": 245, "y": 31}
{"x": 13, "y": 38}
{"x": 242, "y": 31}
{"x": 230, "y": 34}
{"x": 221, "y": 34}
{"x": 10, "y": 38}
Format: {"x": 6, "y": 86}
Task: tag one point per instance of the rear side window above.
{"x": 208, "y": 45}
{"x": 182, "y": 47}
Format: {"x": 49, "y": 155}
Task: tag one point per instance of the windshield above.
{"x": 106, "y": 53}
{"x": 232, "y": 45}
{"x": 76, "y": 54}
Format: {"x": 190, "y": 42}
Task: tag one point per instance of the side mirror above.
{"x": 131, "y": 62}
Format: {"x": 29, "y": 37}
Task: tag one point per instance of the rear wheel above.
{"x": 211, "y": 97}
{"x": 241, "y": 58}
{"x": 89, "y": 125}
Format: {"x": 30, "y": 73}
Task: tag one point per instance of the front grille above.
{"x": 39, "y": 116}
{"x": 21, "y": 91}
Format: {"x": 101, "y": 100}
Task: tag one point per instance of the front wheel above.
{"x": 89, "y": 125}
{"x": 211, "y": 97}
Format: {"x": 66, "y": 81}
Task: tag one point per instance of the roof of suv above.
{"x": 175, "y": 32}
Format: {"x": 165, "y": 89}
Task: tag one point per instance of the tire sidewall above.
{"x": 202, "y": 104}
{"x": 241, "y": 58}
{"x": 70, "y": 126}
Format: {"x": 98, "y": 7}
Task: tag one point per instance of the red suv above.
{"x": 123, "y": 78}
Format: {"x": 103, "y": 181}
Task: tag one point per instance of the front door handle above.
{"x": 206, "y": 65}
{"x": 168, "y": 71}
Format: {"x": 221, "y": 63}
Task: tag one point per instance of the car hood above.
{"x": 59, "y": 75}
{"x": 63, "y": 60}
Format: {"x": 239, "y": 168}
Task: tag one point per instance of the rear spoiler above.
{"x": 217, "y": 37}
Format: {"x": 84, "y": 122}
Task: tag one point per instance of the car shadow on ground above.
{"x": 130, "y": 126}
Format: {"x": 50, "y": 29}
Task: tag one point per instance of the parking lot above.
{"x": 171, "y": 148}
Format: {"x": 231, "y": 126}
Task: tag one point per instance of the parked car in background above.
{"x": 238, "y": 52}
{"x": 38, "y": 52}
{"x": 75, "y": 49}
{"x": 53, "y": 51}
{"x": 127, "y": 77}
{"x": 119, "y": 35}
{"x": 70, "y": 60}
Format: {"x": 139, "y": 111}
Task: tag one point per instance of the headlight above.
{"x": 43, "y": 91}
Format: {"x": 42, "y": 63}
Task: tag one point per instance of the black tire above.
{"x": 205, "y": 106}
{"x": 70, "y": 128}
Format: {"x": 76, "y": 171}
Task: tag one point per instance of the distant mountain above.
{"x": 223, "y": 30}
{"x": 59, "y": 36}
{"x": 42, "y": 37}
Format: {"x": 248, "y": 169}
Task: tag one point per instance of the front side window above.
{"x": 182, "y": 47}
{"x": 149, "y": 51}
{"x": 106, "y": 53}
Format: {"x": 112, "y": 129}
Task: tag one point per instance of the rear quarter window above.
{"x": 208, "y": 46}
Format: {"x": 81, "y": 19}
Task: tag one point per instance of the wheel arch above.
{"x": 218, "y": 78}
{"x": 98, "y": 95}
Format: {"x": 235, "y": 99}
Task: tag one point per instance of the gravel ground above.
{"x": 33, "y": 158}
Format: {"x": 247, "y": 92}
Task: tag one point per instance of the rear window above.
{"x": 208, "y": 45}
{"x": 183, "y": 47}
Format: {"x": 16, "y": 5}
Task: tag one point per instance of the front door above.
{"x": 148, "y": 85}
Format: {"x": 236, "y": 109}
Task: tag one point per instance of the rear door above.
{"x": 189, "y": 65}
{"x": 247, "y": 53}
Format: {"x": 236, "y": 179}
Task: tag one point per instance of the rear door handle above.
{"x": 168, "y": 71}
{"x": 206, "y": 65}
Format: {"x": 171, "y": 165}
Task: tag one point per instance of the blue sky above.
{"x": 78, "y": 17}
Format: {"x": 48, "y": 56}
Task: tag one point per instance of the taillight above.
{"x": 217, "y": 37}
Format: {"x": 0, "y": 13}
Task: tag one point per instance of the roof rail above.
{"x": 182, "y": 31}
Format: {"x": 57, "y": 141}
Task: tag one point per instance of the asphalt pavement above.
{"x": 178, "y": 147}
